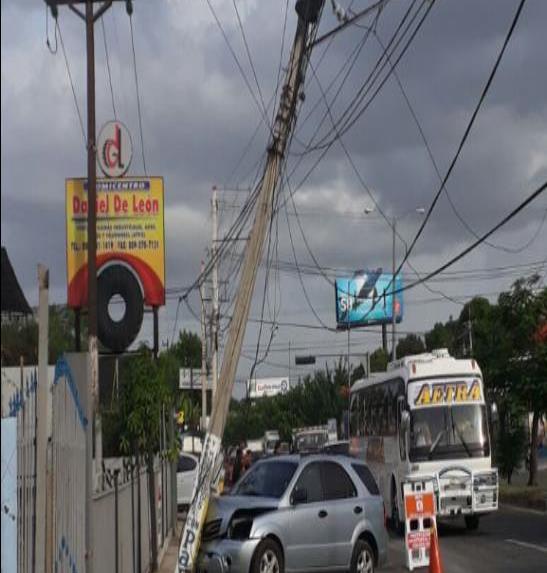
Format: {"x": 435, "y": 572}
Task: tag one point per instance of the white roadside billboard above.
{"x": 266, "y": 387}
{"x": 190, "y": 379}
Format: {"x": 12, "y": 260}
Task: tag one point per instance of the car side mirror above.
{"x": 299, "y": 495}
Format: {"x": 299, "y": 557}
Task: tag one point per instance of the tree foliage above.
{"x": 20, "y": 338}
{"x": 410, "y": 344}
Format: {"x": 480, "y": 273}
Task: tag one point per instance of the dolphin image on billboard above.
{"x": 365, "y": 299}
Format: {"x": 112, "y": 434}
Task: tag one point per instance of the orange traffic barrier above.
{"x": 435, "y": 565}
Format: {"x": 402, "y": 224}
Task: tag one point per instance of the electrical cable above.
{"x": 466, "y": 134}
{"x": 108, "y": 68}
{"x": 248, "y": 51}
{"x": 137, "y": 90}
{"x": 239, "y": 66}
{"x": 355, "y": 110}
{"x": 534, "y": 195}
{"x": 437, "y": 169}
{"x": 81, "y": 121}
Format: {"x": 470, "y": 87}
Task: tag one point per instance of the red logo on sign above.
{"x": 112, "y": 150}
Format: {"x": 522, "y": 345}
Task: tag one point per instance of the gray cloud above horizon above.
{"x": 198, "y": 117}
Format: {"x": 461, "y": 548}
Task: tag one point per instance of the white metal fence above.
{"x": 68, "y": 448}
{"x": 121, "y": 515}
{"x": 23, "y": 406}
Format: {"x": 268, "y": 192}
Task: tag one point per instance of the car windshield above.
{"x": 267, "y": 479}
{"x": 446, "y": 432}
{"x": 312, "y": 441}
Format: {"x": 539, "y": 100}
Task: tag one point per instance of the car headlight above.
{"x": 240, "y": 528}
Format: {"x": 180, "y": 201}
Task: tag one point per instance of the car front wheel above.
{"x": 268, "y": 558}
{"x": 362, "y": 560}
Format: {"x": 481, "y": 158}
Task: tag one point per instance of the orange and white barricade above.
{"x": 419, "y": 519}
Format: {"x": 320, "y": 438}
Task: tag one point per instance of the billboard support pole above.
{"x": 156, "y": 331}
{"x": 393, "y": 323}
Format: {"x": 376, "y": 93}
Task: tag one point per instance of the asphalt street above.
{"x": 511, "y": 540}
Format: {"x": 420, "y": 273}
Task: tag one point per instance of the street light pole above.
{"x": 368, "y": 211}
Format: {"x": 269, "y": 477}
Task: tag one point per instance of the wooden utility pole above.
{"x": 203, "y": 357}
{"x": 215, "y": 311}
{"x": 308, "y": 16}
{"x": 90, "y": 16}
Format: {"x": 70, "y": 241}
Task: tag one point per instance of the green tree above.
{"x": 20, "y": 338}
{"x": 522, "y": 311}
{"x": 187, "y": 350}
{"x": 511, "y": 439}
{"x": 146, "y": 394}
{"x": 441, "y": 336}
{"x": 410, "y": 344}
{"x": 378, "y": 360}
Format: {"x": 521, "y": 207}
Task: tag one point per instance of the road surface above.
{"x": 509, "y": 541}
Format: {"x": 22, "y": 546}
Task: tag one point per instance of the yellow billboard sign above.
{"x": 130, "y": 231}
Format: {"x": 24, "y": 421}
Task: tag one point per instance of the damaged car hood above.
{"x": 223, "y": 509}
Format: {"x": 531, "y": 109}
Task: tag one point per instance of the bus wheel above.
{"x": 396, "y": 523}
{"x": 472, "y": 522}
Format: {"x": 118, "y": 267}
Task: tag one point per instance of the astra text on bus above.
{"x": 426, "y": 418}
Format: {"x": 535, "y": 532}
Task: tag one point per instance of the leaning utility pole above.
{"x": 308, "y": 15}
{"x": 215, "y": 313}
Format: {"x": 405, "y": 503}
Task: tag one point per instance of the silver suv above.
{"x": 297, "y": 513}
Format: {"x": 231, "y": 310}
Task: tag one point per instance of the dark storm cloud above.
{"x": 198, "y": 116}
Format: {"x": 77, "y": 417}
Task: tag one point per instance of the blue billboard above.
{"x": 365, "y": 299}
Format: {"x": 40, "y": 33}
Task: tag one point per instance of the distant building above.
{"x": 14, "y": 303}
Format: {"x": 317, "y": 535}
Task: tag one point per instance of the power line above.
{"x": 465, "y": 135}
{"x": 108, "y": 68}
{"x": 80, "y": 120}
{"x": 437, "y": 170}
{"x": 263, "y": 114}
{"x": 248, "y": 51}
{"x": 130, "y": 12}
{"x": 352, "y": 112}
{"x": 480, "y": 240}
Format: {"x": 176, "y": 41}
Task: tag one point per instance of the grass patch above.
{"x": 520, "y": 494}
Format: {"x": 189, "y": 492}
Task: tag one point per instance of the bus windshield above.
{"x": 448, "y": 432}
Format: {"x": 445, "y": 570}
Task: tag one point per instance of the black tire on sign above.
{"x": 118, "y": 335}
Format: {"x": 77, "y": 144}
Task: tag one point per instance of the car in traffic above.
{"x": 293, "y": 512}
{"x": 187, "y": 467}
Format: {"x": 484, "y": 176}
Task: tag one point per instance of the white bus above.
{"x": 426, "y": 417}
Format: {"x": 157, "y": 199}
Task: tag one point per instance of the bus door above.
{"x": 401, "y": 403}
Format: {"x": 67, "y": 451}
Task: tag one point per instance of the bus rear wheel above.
{"x": 471, "y": 522}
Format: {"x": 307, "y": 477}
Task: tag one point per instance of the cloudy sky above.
{"x": 198, "y": 118}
